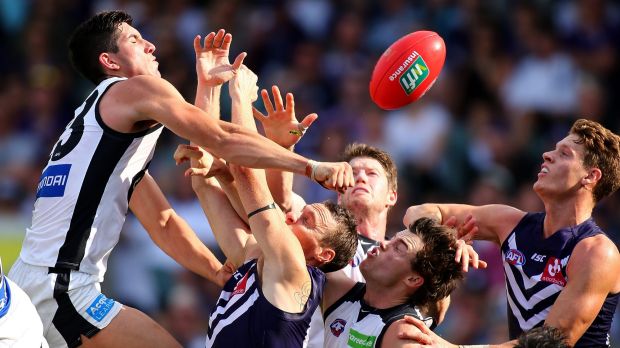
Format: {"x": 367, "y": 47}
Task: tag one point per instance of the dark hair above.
{"x": 96, "y": 35}
{"x": 602, "y": 151}
{"x": 542, "y": 337}
{"x": 434, "y": 261}
{"x": 342, "y": 239}
{"x": 363, "y": 150}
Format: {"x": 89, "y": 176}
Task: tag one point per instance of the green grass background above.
{"x": 11, "y": 237}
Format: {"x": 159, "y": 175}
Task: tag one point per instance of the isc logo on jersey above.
{"x": 515, "y": 257}
{"x": 53, "y": 181}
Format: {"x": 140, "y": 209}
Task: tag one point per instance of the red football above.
{"x": 407, "y": 69}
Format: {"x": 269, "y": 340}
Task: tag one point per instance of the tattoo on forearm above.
{"x": 301, "y": 297}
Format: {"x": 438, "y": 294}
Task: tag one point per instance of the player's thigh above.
{"x": 131, "y": 328}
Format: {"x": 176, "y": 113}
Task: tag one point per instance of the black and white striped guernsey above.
{"x": 535, "y": 270}
{"x": 83, "y": 193}
{"x": 351, "y": 322}
{"x": 243, "y": 317}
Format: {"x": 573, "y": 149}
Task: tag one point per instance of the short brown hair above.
{"x": 602, "y": 151}
{"x": 363, "y": 150}
{"x": 542, "y": 337}
{"x": 342, "y": 239}
{"x": 434, "y": 261}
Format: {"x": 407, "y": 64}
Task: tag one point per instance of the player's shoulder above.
{"x": 598, "y": 248}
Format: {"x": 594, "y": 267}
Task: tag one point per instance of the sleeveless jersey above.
{"x": 84, "y": 191}
{"x": 350, "y": 322}
{"x": 535, "y": 270}
{"x": 243, "y": 317}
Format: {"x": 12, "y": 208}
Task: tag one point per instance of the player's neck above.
{"x": 382, "y": 297}
{"x": 371, "y": 225}
{"x": 562, "y": 213}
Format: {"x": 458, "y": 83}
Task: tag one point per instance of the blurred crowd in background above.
{"x": 517, "y": 75}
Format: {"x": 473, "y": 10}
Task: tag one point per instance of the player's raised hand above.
{"x": 280, "y": 123}
{"x": 465, "y": 253}
{"x": 421, "y": 335}
{"x": 202, "y": 162}
{"x": 243, "y": 85}
{"x": 213, "y": 67}
{"x": 224, "y": 273}
{"x": 331, "y": 175}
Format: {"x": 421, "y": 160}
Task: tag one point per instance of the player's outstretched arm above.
{"x": 285, "y": 280}
{"x": 230, "y": 230}
{"x": 146, "y": 98}
{"x": 415, "y": 333}
{"x": 494, "y": 222}
{"x": 281, "y": 126}
{"x": 172, "y": 234}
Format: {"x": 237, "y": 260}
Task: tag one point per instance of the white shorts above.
{"x": 20, "y": 325}
{"x": 70, "y": 303}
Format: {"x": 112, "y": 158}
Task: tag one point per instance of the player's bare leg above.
{"x": 131, "y": 328}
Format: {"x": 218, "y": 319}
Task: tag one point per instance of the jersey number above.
{"x": 62, "y": 148}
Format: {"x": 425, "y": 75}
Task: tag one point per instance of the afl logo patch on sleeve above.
{"x": 515, "y": 257}
{"x": 53, "y": 181}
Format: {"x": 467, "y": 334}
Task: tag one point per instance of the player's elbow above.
{"x": 415, "y": 212}
{"x": 165, "y": 227}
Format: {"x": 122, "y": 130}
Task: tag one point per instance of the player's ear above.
{"x": 594, "y": 175}
{"x": 392, "y": 197}
{"x": 325, "y": 255}
{"x": 414, "y": 280}
{"x": 108, "y": 62}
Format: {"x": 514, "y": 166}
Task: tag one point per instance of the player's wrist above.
{"x": 271, "y": 205}
{"x": 311, "y": 167}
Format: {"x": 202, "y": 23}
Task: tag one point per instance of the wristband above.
{"x": 271, "y": 205}
{"x": 311, "y": 169}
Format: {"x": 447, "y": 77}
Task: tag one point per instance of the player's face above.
{"x": 135, "y": 54}
{"x": 309, "y": 226}
{"x": 390, "y": 262}
{"x": 371, "y": 189}
{"x": 562, "y": 170}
